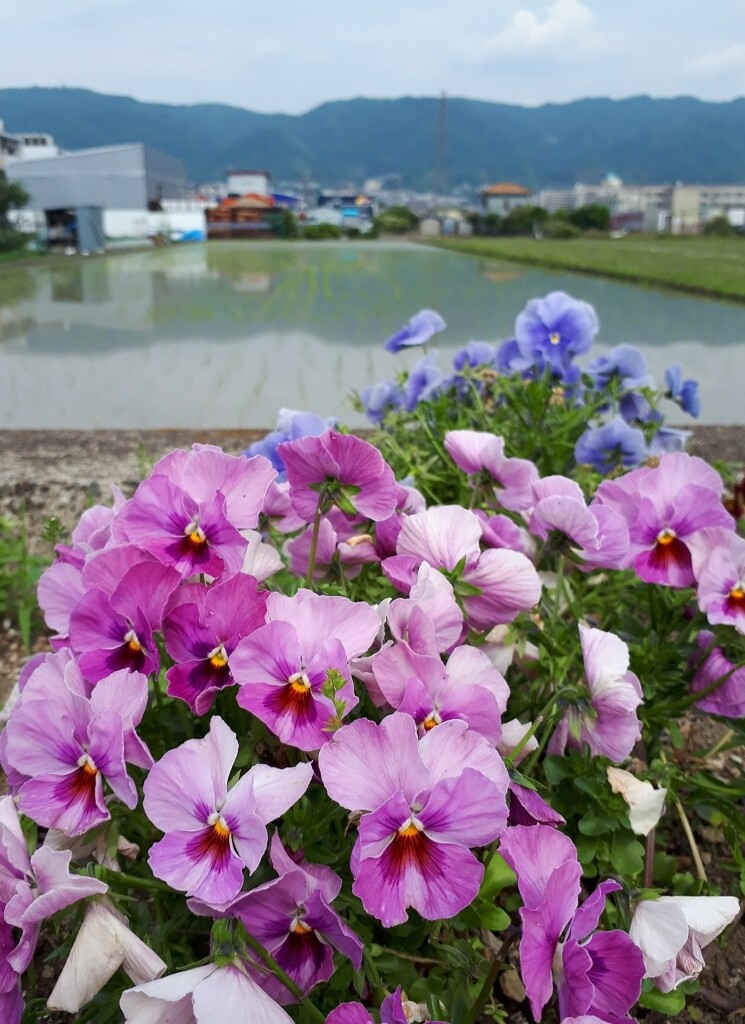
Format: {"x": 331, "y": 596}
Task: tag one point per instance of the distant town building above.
{"x": 25, "y": 146}
{"x": 503, "y": 197}
{"x": 241, "y": 183}
{"x": 679, "y": 208}
{"x": 89, "y": 196}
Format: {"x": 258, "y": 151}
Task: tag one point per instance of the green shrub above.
{"x": 556, "y": 228}
{"x": 720, "y": 227}
{"x": 320, "y": 232}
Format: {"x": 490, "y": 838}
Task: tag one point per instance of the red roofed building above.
{"x": 503, "y": 197}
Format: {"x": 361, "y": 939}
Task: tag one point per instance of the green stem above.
{"x": 700, "y": 869}
{"x": 486, "y": 989}
{"x": 314, "y": 545}
{"x": 286, "y": 980}
{"x": 537, "y": 721}
{"x": 374, "y": 976}
{"x": 134, "y": 882}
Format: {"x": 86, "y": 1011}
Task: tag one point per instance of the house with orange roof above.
{"x": 504, "y": 197}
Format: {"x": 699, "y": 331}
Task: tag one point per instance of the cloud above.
{"x": 565, "y": 21}
{"x": 730, "y": 58}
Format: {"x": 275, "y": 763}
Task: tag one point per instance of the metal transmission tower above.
{"x": 441, "y": 179}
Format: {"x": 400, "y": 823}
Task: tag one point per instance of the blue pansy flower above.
{"x": 291, "y": 425}
{"x": 624, "y": 361}
{"x": 381, "y": 397}
{"x": 476, "y": 353}
{"x": 417, "y": 331}
{"x": 557, "y": 328}
{"x": 684, "y": 392}
{"x": 613, "y": 444}
{"x": 425, "y": 381}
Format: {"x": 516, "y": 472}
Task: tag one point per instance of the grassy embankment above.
{"x": 703, "y": 266}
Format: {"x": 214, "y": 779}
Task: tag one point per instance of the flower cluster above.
{"x": 409, "y": 690}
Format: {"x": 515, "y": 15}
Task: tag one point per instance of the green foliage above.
{"x": 13, "y": 196}
{"x": 594, "y": 217}
{"x": 719, "y": 226}
{"x": 19, "y": 575}
{"x": 396, "y": 220}
{"x": 321, "y": 232}
{"x": 560, "y": 228}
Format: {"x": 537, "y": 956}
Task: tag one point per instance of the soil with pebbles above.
{"x": 60, "y": 473}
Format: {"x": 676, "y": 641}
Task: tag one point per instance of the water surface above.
{"x": 222, "y": 335}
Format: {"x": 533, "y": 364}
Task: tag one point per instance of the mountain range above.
{"x": 640, "y": 139}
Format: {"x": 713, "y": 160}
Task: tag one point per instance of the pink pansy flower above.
{"x": 477, "y": 452}
{"x": 278, "y": 510}
{"x": 599, "y": 534}
{"x": 338, "y": 542}
{"x": 169, "y": 523}
{"x": 392, "y": 1011}
{"x": 663, "y": 509}
{"x": 671, "y": 932}
{"x": 202, "y": 631}
{"x": 261, "y": 560}
{"x": 598, "y": 974}
{"x": 409, "y": 501}
{"x": 204, "y": 995}
{"x": 282, "y": 667}
{"x": 34, "y": 886}
{"x": 727, "y": 699}
{"x": 205, "y": 470}
{"x": 498, "y": 531}
{"x": 67, "y": 744}
{"x": 429, "y": 620}
{"x": 292, "y": 917}
{"x": 721, "y": 580}
{"x": 115, "y": 631}
{"x": 213, "y": 833}
{"x": 11, "y": 997}
{"x": 468, "y": 688}
{"x": 426, "y": 803}
{"x": 497, "y": 584}
{"x": 609, "y": 726}
{"x": 338, "y": 469}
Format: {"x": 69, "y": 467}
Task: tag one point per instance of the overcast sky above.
{"x": 290, "y": 56}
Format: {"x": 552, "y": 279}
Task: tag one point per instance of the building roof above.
{"x": 505, "y": 188}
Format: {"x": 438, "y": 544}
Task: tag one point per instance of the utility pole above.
{"x": 441, "y": 180}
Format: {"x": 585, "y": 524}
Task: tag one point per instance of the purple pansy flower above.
{"x": 341, "y": 469}
{"x": 609, "y": 726}
{"x": 193, "y": 537}
{"x": 663, "y": 509}
{"x": 282, "y": 667}
{"x": 115, "y": 631}
{"x": 202, "y": 633}
{"x": 500, "y": 583}
{"x": 422, "y": 326}
{"x": 293, "y": 919}
{"x": 67, "y": 744}
{"x": 727, "y": 699}
{"x": 425, "y": 802}
{"x": 392, "y": 1011}
{"x": 555, "y": 328}
{"x": 625, "y": 362}
{"x": 721, "y": 580}
{"x": 468, "y": 688}
{"x": 477, "y": 452}
{"x": 33, "y": 886}
{"x": 596, "y": 973}
{"x": 212, "y": 832}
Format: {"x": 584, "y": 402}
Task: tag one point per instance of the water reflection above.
{"x": 222, "y": 335}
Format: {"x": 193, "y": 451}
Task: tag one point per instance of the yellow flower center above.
{"x": 410, "y": 828}
{"x": 195, "y": 535}
{"x": 132, "y": 641}
{"x": 300, "y": 928}
{"x": 665, "y": 537}
{"x": 219, "y": 825}
{"x": 431, "y": 721}
{"x": 299, "y": 682}
{"x": 219, "y": 657}
{"x": 86, "y": 763}
{"x": 554, "y": 338}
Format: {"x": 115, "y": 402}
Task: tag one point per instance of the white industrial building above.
{"x": 94, "y": 196}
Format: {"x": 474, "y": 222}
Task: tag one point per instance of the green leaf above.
{"x": 498, "y": 875}
{"x": 627, "y": 855}
{"x": 669, "y": 1004}
{"x": 493, "y": 918}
